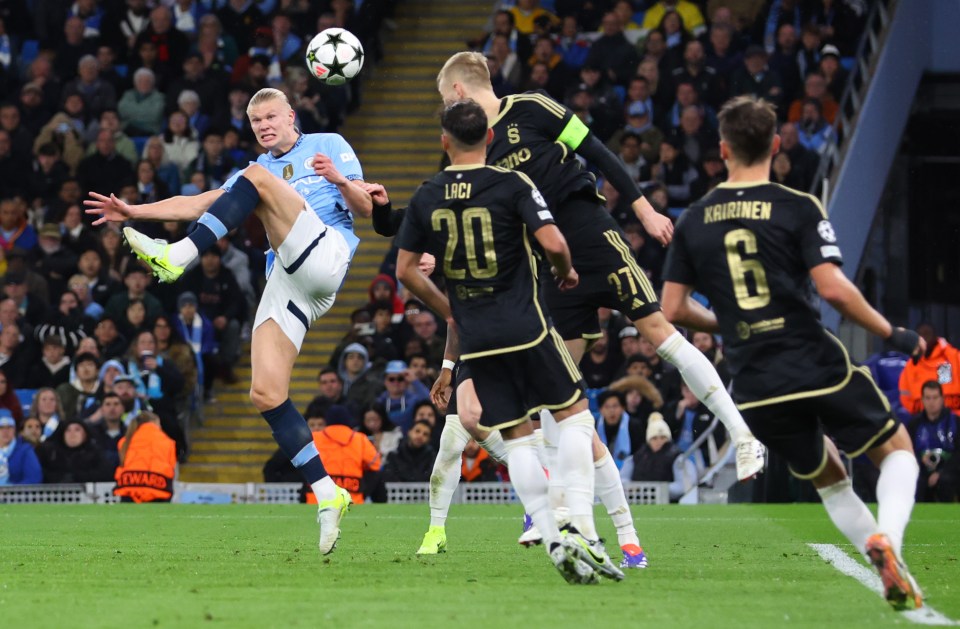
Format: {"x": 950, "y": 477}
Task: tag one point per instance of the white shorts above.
{"x": 310, "y": 266}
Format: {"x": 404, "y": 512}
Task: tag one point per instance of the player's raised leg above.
{"x": 702, "y": 378}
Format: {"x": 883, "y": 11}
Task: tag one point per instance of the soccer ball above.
{"x": 334, "y": 56}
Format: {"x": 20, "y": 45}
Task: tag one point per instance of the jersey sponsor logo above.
{"x": 513, "y": 160}
{"x": 944, "y": 373}
{"x": 545, "y": 215}
{"x": 825, "y": 229}
{"x": 347, "y": 157}
{"x": 513, "y": 134}
{"x": 288, "y": 172}
{"x": 538, "y": 198}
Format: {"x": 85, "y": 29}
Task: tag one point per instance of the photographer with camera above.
{"x": 934, "y": 434}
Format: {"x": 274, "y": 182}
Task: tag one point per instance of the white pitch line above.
{"x": 840, "y": 560}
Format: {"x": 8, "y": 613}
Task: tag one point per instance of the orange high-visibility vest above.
{"x": 147, "y": 471}
{"x": 346, "y": 455}
{"x": 469, "y": 475}
{"x": 943, "y": 366}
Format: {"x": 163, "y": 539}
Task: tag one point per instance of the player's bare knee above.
{"x": 263, "y": 399}
{"x": 576, "y": 407}
{"x": 256, "y": 174}
{"x": 655, "y": 328}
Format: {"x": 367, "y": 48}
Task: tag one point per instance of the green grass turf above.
{"x": 257, "y": 566}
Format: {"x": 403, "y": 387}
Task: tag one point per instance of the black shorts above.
{"x": 514, "y": 385}
{"x": 609, "y": 274}
{"x": 856, "y": 417}
{"x": 460, "y": 373}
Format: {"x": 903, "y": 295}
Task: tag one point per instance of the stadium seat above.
{"x": 28, "y": 52}
{"x": 122, "y": 70}
{"x": 139, "y": 142}
{"x": 886, "y": 368}
{"x": 26, "y": 399}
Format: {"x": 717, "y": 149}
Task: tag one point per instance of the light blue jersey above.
{"x": 296, "y": 168}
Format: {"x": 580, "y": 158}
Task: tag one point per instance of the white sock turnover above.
{"x": 446, "y": 469}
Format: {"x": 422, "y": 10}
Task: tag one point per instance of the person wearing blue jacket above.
{"x": 18, "y": 462}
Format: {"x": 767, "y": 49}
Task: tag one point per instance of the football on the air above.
{"x": 334, "y": 56}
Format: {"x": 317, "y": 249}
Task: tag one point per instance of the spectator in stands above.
{"x": 116, "y": 258}
{"x": 136, "y": 279}
{"x": 604, "y": 104}
{"x": 384, "y": 348}
{"x": 712, "y": 172}
{"x": 217, "y": 294}
{"x": 100, "y": 285}
{"x": 58, "y": 149}
{"x": 89, "y": 311}
{"x": 803, "y": 162}
{"x": 72, "y": 46}
{"x": 45, "y": 407}
{"x": 833, "y": 72}
{"x": 52, "y": 260}
{"x": 814, "y": 87}
{"x": 112, "y": 343}
{"x": 525, "y": 14}
{"x": 663, "y": 375}
{"x": 696, "y": 71}
{"x": 571, "y": 44}
{"x": 695, "y": 137}
{"x": 689, "y": 12}
{"x": 558, "y": 72}
{"x": 631, "y": 158}
{"x": 172, "y": 347}
{"x": 659, "y": 62}
{"x": 348, "y": 456}
{"x": 477, "y": 466}
{"x": 934, "y": 434}
{"x": 675, "y": 172}
{"x": 615, "y": 428}
{"x": 640, "y": 396}
{"x": 149, "y": 186}
{"x": 141, "y": 108}
{"x": 97, "y": 93}
{"x": 156, "y": 380}
{"x": 69, "y": 456}
{"x": 940, "y": 363}
{"x": 783, "y": 61}
{"x": 106, "y": 170}
{"x": 15, "y": 231}
{"x": 180, "y": 143}
{"x": 640, "y": 124}
{"x": 53, "y": 369}
{"x": 107, "y": 431}
{"x": 756, "y": 77}
{"x": 148, "y": 461}
{"x": 110, "y": 371}
{"x": 402, "y": 393}
{"x": 14, "y": 174}
{"x": 110, "y": 121}
{"x": 8, "y": 397}
{"x": 27, "y": 289}
{"x": 813, "y": 131}
{"x": 688, "y": 418}
{"x": 21, "y": 142}
{"x": 360, "y": 382}
{"x": 383, "y": 434}
{"x": 32, "y": 431}
{"x": 239, "y": 18}
{"x": 198, "y": 333}
{"x": 781, "y": 172}
{"x": 16, "y": 356}
{"x": 18, "y": 462}
{"x": 215, "y": 164}
{"x": 171, "y": 44}
{"x": 79, "y": 396}
{"x": 707, "y": 344}
{"x": 612, "y": 53}
{"x": 426, "y": 329}
{"x": 600, "y": 364}
{"x": 722, "y": 54}
{"x": 655, "y": 461}
{"x": 511, "y": 67}
{"x": 154, "y": 152}
{"x": 412, "y": 461}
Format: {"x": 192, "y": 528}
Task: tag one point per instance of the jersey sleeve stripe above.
{"x": 554, "y": 108}
{"x": 574, "y": 133}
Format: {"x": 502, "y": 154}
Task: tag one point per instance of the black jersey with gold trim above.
{"x": 749, "y": 250}
{"x": 533, "y": 134}
{"x": 476, "y": 220}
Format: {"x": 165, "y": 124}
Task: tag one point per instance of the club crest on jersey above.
{"x": 288, "y": 172}
{"x": 825, "y": 229}
{"x": 538, "y": 198}
{"x": 308, "y": 163}
{"x": 944, "y": 373}
{"x": 743, "y": 330}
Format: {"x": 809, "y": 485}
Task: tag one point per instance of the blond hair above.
{"x": 266, "y": 94}
{"x": 465, "y": 67}
{"x": 143, "y": 417}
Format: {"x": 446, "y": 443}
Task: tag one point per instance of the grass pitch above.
{"x": 257, "y": 566}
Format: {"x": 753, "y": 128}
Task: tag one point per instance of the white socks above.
{"x": 896, "y": 494}
{"x": 446, "y": 469}
{"x": 550, "y": 435}
{"x": 848, "y": 513}
{"x": 324, "y": 489}
{"x": 530, "y": 483}
{"x": 494, "y": 446}
{"x": 609, "y": 489}
{"x": 702, "y": 378}
{"x": 183, "y": 252}
{"x": 576, "y": 469}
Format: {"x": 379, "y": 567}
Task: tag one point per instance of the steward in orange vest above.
{"x": 346, "y": 454}
{"x": 941, "y": 363}
{"x": 148, "y": 461}
{"x": 477, "y": 466}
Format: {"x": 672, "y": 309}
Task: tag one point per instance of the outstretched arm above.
{"x": 110, "y": 209}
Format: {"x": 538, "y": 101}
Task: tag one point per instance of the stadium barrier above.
{"x": 289, "y": 493}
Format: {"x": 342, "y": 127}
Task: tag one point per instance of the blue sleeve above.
{"x": 31, "y": 472}
{"x": 626, "y": 472}
{"x": 420, "y": 391}
{"x": 233, "y": 178}
{"x": 344, "y": 158}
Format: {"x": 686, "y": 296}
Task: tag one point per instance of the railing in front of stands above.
{"x": 289, "y": 493}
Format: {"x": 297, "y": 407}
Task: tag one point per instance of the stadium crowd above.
{"x": 148, "y": 100}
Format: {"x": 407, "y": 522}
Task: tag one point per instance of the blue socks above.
{"x": 227, "y": 213}
{"x": 294, "y": 438}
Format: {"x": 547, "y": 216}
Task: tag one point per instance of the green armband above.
{"x": 574, "y": 133}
